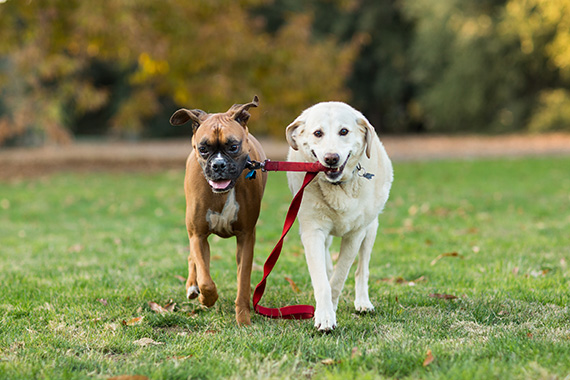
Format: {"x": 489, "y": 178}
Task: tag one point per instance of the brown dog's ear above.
{"x": 182, "y": 116}
{"x": 369, "y": 133}
{"x": 292, "y": 132}
{"x": 239, "y": 113}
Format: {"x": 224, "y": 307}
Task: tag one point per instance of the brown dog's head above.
{"x": 220, "y": 142}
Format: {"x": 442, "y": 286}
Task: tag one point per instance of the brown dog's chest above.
{"x": 220, "y": 219}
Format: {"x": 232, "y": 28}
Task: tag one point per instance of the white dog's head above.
{"x": 333, "y": 133}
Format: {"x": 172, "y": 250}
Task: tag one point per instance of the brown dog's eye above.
{"x": 318, "y": 133}
{"x": 343, "y": 132}
{"x": 234, "y": 148}
{"x": 203, "y": 150}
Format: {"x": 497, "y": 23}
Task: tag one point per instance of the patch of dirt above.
{"x": 18, "y": 163}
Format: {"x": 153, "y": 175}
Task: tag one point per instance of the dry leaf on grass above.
{"x": 133, "y": 322}
{"x": 355, "y": 352}
{"x": 293, "y": 285}
{"x": 146, "y": 342}
{"x": 129, "y": 377}
{"x": 448, "y": 254}
{"x": 429, "y": 358}
{"x": 168, "y": 308}
{"x": 182, "y": 279}
{"x": 329, "y": 361}
{"x": 402, "y": 281}
{"x": 443, "y": 296}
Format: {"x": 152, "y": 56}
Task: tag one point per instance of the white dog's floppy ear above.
{"x": 292, "y": 132}
{"x": 369, "y": 133}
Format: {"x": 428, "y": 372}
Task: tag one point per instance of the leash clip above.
{"x": 253, "y": 166}
{"x": 366, "y": 175}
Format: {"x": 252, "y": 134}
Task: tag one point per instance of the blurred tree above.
{"x": 466, "y": 76}
{"x": 379, "y": 81}
{"x": 201, "y": 54}
{"x": 489, "y": 65}
{"x": 542, "y": 30}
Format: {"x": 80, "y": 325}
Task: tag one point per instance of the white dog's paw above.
{"x": 363, "y": 306}
{"x": 325, "y": 320}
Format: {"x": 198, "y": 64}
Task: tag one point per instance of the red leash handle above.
{"x": 294, "y": 311}
{"x": 286, "y": 166}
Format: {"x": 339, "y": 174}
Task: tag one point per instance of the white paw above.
{"x": 192, "y": 292}
{"x": 325, "y": 320}
{"x": 363, "y": 306}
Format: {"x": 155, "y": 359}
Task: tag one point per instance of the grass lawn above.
{"x": 82, "y": 255}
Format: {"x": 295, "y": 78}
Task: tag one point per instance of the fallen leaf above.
{"x": 539, "y": 273}
{"x": 420, "y": 279}
{"x": 529, "y": 335}
{"x": 170, "y": 306}
{"x": 182, "y": 279}
{"x": 329, "y": 361}
{"x": 129, "y": 377}
{"x": 402, "y": 281}
{"x": 443, "y": 296}
{"x": 111, "y": 326}
{"x": 429, "y": 358}
{"x": 449, "y": 254}
{"x": 157, "y": 308}
{"x": 293, "y": 285}
{"x": 133, "y": 322}
{"x": 146, "y": 342}
{"x": 355, "y": 352}
{"x": 103, "y": 301}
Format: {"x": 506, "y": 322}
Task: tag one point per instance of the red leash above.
{"x": 293, "y": 311}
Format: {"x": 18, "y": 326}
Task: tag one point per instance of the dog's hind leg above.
{"x": 362, "y": 300}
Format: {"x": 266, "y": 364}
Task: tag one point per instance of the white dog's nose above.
{"x": 331, "y": 159}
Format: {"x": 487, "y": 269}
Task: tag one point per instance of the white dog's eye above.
{"x": 343, "y": 132}
{"x": 318, "y": 133}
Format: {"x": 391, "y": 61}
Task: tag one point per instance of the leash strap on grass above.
{"x": 293, "y": 311}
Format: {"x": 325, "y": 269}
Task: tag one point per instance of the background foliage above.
{"x": 121, "y": 67}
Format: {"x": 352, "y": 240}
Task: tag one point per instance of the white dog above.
{"x": 344, "y": 202}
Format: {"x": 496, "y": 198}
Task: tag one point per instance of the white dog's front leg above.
{"x": 362, "y": 300}
{"x": 348, "y": 250}
{"x": 315, "y": 253}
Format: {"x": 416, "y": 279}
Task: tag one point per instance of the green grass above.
{"x": 80, "y": 254}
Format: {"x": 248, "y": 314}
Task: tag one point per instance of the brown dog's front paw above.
{"x": 192, "y": 292}
{"x": 243, "y": 317}
{"x": 208, "y": 296}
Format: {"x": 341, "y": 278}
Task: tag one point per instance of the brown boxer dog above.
{"x": 219, "y": 199}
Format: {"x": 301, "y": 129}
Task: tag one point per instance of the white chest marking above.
{"x": 221, "y": 222}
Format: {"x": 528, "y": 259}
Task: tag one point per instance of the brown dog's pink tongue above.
{"x": 219, "y": 185}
